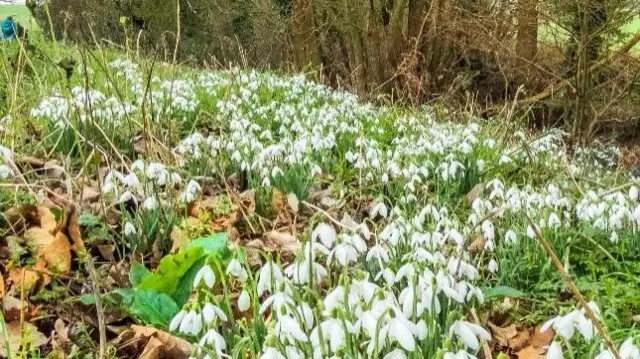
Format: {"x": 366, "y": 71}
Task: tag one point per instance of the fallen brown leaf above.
{"x": 22, "y": 279}
{"x": 57, "y": 254}
{"x": 61, "y": 338}
{"x": 285, "y": 244}
{"x": 178, "y": 238}
{"x": 292, "y": 201}
{"x": 541, "y": 339}
{"x": 161, "y": 344}
{"x": 73, "y": 228}
{"x": 503, "y": 334}
{"x": 17, "y": 336}
{"x": 2, "y": 290}
{"x": 530, "y": 352}
{"x": 13, "y": 307}
{"x": 90, "y": 194}
{"x": 47, "y": 219}
{"x": 477, "y": 243}
{"x": 475, "y": 192}
{"x": 520, "y": 340}
{"x": 18, "y": 219}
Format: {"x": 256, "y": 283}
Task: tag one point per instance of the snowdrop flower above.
{"x": 379, "y": 253}
{"x": 325, "y": 233}
{"x": 244, "y": 301}
{"x": 177, "y": 319}
{"x": 395, "y": 354}
{"x": 150, "y": 203}
{"x": 191, "y": 324}
{"x": 269, "y": 277}
{"x": 510, "y": 237}
{"x": 493, "y": 266}
{"x": 210, "y": 312}
{"x": 5, "y": 172}
{"x": 129, "y": 229}
{"x": 378, "y": 209}
{"x": 633, "y": 193}
{"x": 628, "y": 350}
{"x": 271, "y": 353}
{"x": 212, "y": 337}
{"x": 469, "y": 333}
{"x": 531, "y": 233}
{"x": 234, "y": 268}
{"x": 555, "y": 351}
{"x": 461, "y": 354}
{"x": 554, "y": 221}
{"x": 205, "y": 273}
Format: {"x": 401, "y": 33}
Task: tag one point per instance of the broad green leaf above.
{"x": 172, "y": 268}
{"x": 186, "y": 282}
{"x": 138, "y": 273}
{"x": 502, "y": 291}
{"x": 147, "y": 305}
{"x": 213, "y": 244}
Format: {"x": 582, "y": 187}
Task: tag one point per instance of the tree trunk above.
{"x": 527, "y": 38}
{"x": 305, "y": 43}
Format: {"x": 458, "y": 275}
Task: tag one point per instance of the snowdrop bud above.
{"x": 129, "y": 229}
{"x": 207, "y": 274}
{"x": 244, "y": 301}
{"x": 633, "y": 193}
{"x": 531, "y": 233}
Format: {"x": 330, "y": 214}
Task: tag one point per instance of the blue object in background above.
{"x": 9, "y": 28}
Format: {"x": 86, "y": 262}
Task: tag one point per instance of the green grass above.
{"x": 20, "y": 13}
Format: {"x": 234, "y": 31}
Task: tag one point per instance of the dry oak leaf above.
{"x": 17, "y": 337}
{"x": 531, "y": 352}
{"x": 55, "y": 250}
{"x": 23, "y": 279}
{"x": 160, "y": 343}
{"x": 47, "y": 219}
{"x": 73, "y": 228}
{"x": 284, "y": 243}
{"x": 503, "y": 334}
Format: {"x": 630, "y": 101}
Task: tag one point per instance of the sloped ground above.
{"x": 252, "y": 214}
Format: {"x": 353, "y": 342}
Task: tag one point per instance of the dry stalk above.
{"x": 574, "y": 289}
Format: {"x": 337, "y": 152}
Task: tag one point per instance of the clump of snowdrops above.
{"x": 398, "y": 284}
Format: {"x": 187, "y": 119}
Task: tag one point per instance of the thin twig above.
{"x": 574, "y": 289}
{"x": 99, "y": 310}
{"x": 326, "y": 214}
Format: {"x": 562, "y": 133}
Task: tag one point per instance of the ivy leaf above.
{"x": 149, "y": 306}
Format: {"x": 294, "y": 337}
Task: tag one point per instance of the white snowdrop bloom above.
{"x": 488, "y": 230}
{"x": 129, "y": 229}
{"x": 137, "y": 165}
{"x": 395, "y": 354}
{"x": 510, "y": 237}
{"x": 605, "y": 354}
{"x": 326, "y": 234}
{"x": 628, "y": 350}
{"x": 131, "y": 180}
{"x": 554, "y": 221}
{"x": 234, "y": 268}
{"x": 613, "y": 237}
{"x": 126, "y": 197}
{"x": 210, "y": 312}
{"x": 493, "y": 266}
{"x": 378, "y": 208}
{"x": 633, "y": 193}
{"x": 205, "y": 273}
{"x": 269, "y": 277}
{"x": 289, "y": 326}
{"x": 563, "y": 325}
{"x": 271, "y": 353}
{"x": 555, "y": 351}
{"x": 344, "y": 254}
{"x": 461, "y": 354}
{"x": 531, "y": 233}
{"x": 378, "y": 252}
{"x": 212, "y": 337}
{"x": 244, "y": 301}
{"x": 469, "y": 333}
{"x": 388, "y": 276}
{"x": 278, "y": 302}
{"x": 5, "y": 172}
{"x": 191, "y": 324}
{"x": 5, "y": 153}
{"x": 177, "y": 319}
{"x": 456, "y": 237}
{"x": 158, "y": 173}
{"x": 150, "y": 203}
